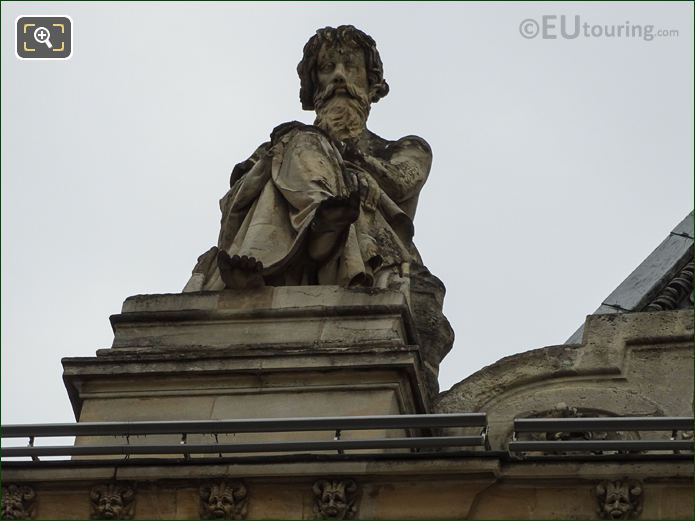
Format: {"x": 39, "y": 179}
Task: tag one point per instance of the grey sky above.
{"x": 558, "y": 164}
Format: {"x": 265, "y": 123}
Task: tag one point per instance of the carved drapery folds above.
{"x": 18, "y": 502}
{"x": 335, "y": 499}
{"x": 620, "y": 499}
{"x": 223, "y": 500}
{"x": 112, "y": 501}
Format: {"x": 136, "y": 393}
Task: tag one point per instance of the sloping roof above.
{"x": 664, "y": 280}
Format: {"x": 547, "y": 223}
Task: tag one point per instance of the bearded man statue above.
{"x": 331, "y": 203}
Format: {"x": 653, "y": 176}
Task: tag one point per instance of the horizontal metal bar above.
{"x": 211, "y": 448}
{"x": 595, "y": 445}
{"x": 603, "y": 424}
{"x": 402, "y": 421}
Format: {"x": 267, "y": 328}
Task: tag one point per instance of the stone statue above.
{"x": 18, "y": 502}
{"x": 112, "y": 501}
{"x": 335, "y": 499}
{"x": 620, "y": 499}
{"x": 331, "y": 203}
{"x": 223, "y": 500}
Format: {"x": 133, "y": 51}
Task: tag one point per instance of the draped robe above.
{"x": 273, "y": 200}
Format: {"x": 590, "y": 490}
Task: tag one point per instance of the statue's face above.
{"x": 333, "y": 502}
{"x": 340, "y": 67}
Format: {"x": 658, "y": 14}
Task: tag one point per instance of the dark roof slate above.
{"x": 664, "y": 280}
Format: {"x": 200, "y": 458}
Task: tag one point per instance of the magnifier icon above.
{"x": 43, "y": 35}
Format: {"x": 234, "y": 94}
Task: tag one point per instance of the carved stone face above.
{"x": 12, "y": 507}
{"x": 17, "y": 502}
{"x": 358, "y": 52}
{"x": 342, "y": 97}
{"x": 334, "y": 502}
{"x": 221, "y": 505}
{"x": 110, "y": 507}
{"x": 333, "y": 499}
{"x": 619, "y": 499}
{"x": 112, "y": 502}
{"x": 223, "y": 501}
{"x": 341, "y": 66}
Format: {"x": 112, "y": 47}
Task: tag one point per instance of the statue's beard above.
{"x": 343, "y": 116}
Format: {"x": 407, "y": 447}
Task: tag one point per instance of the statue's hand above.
{"x": 357, "y": 160}
{"x": 358, "y": 179}
{"x": 350, "y": 152}
{"x": 369, "y": 191}
{"x": 350, "y": 176}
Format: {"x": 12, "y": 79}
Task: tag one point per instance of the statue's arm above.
{"x": 403, "y": 170}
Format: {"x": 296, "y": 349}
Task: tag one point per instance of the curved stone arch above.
{"x": 599, "y": 398}
{"x": 593, "y": 394}
{"x": 527, "y": 369}
{"x": 581, "y": 412}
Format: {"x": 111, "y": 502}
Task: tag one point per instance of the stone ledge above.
{"x": 308, "y": 315}
{"x": 125, "y": 373}
{"x": 153, "y": 360}
{"x": 366, "y": 466}
{"x": 281, "y": 297}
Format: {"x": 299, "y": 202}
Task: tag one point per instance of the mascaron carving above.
{"x": 223, "y": 500}
{"x": 112, "y": 501}
{"x": 18, "y": 502}
{"x": 335, "y": 499}
{"x": 620, "y": 499}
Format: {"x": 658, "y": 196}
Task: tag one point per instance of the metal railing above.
{"x": 575, "y": 427}
{"x": 422, "y": 430}
{"x": 335, "y": 425}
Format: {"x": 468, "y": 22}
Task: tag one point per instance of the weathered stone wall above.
{"x": 434, "y": 488}
{"x": 633, "y": 364}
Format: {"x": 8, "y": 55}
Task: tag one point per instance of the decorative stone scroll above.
{"x": 563, "y": 410}
{"x": 674, "y": 294}
{"x": 18, "y": 502}
{"x": 335, "y": 499}
{"x": 620, "y": 499}
{"x": 112, "y": 501}
{"x": 223, "y": 500}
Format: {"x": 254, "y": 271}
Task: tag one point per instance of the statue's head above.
{"x": 334, "y": 499}
{"x": 112, "y": 501}
{"x": 341, "y": 76}
{"x": 619, "y": 499}
{"x": 223, "y": 500}
{"x": 17, "y": 502}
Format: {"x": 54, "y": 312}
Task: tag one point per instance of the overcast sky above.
{"x": 559, "y": 164}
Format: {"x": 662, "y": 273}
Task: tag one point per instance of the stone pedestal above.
{"x": 272, "y": 353}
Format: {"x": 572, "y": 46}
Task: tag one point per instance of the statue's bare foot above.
{"x": 332, "y": 218}
{"x": 240, "y": 272}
